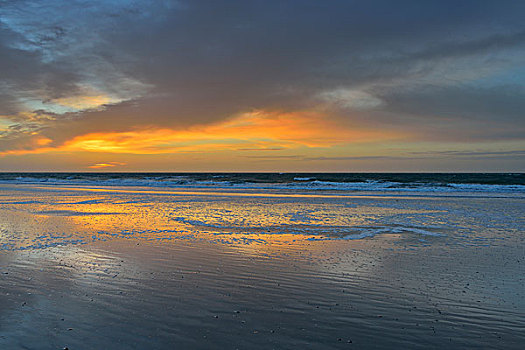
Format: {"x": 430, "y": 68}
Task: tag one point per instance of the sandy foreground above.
{"x": 114, "y": 268}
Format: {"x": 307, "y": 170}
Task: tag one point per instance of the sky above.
{"x": 262, "y": 85}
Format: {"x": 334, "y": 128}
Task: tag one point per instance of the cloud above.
{"x": 519, "y": 154}
{"x": 106, "y": 165}
{"x": 501, "y": 104}
{"x": 351, "y": 99}
{"x": 257, "y": 130}
{"x": 77, "y": 71}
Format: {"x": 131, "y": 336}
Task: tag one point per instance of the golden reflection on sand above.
{"x": 231, "y": 194}
{"x": 252, "y": 225}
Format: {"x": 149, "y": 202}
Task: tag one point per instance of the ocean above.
{"x": 438, "y": 182}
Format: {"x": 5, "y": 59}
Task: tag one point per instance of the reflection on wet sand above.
{"x": 265, "y": 221}
{"x": 131, "y": 270}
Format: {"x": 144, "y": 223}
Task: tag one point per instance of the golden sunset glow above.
{"x": 257, "y": 130}
{"x": 43, "y": 141}
{"x": 105, "y": 165}
{"x": 254, "y": 130}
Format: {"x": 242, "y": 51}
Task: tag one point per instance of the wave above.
{"x": 411, "y": 182}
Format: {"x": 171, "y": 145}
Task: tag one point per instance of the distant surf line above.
{"x": 264, "y": 195}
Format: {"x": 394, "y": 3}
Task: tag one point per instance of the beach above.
{"x": 254, "y": 175}
{"x": 259, "y": 265}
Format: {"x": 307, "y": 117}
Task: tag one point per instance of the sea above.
{"x": 409, "y": 182}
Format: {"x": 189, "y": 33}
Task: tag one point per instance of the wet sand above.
{"x": 88, "y": 268}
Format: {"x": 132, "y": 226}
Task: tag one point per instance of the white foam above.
{"x": 303, "y": 184}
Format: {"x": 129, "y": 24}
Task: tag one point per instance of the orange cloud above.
{"x": 105, "y": 165}
{"x": 257, "y": 130}
{"x": 43, "y": 141}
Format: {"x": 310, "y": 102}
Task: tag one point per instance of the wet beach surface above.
{"x": 112, "y": 268}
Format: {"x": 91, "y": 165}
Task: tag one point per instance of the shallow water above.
{"x": 120, "y": 268}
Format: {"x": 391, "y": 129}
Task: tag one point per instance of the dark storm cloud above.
{"x": 173, "y": 63}
{"x": 497, "y": 104}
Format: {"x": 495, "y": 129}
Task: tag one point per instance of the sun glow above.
{"x": 258, "y": 130}
{"x": 106, "y": 165}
